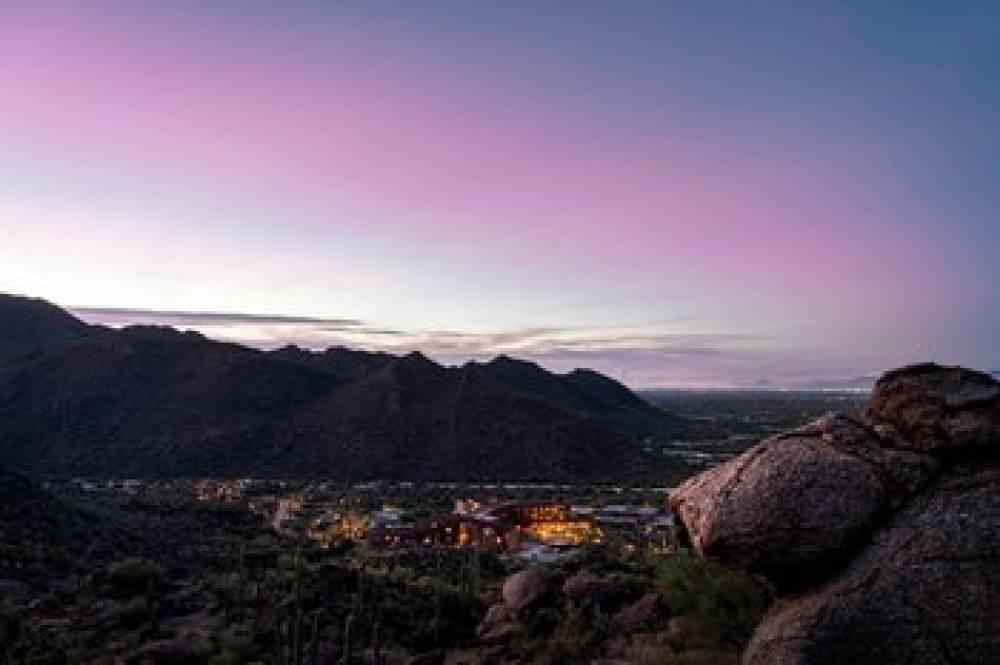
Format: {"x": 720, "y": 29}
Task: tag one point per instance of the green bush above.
{"x": 720, "y": 606}
{"x": 9, "y": 625}
{"x": 237, "y": 646}
{"x": 134, "y": 612}
{"x": 131, "y": 577}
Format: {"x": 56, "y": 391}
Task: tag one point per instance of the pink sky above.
{"x": 241, "y": 161}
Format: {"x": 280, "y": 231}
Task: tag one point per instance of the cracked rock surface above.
{"x": 883, "y": 535}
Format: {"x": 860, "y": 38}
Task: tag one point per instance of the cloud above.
{"x": 273, "y": 329}
{"x": 127, "y": 316}
{"x": 642, "y": 355}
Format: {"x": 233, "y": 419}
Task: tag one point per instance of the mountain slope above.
{"x": 40, "y": 534}
{"x": 148, "y": 401}
{"x": 30, "y": 325}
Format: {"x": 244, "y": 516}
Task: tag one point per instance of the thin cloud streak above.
{"x": 268, "y": 330}
{"x": 125, "y": 315}
{"x": 642, "y": 355}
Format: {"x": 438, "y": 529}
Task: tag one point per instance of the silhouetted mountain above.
{"x": 149, "y": 401}
{"x": 30, "y": 325}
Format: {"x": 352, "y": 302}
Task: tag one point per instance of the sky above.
{"x": 700, "y": 194}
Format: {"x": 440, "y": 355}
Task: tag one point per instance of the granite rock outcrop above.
{"x": 881, "y": 534}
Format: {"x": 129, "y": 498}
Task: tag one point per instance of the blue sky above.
{"x": 704, "y": 193}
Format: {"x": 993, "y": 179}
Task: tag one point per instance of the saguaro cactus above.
{"x": 348, "y": 624}
{"x": 377, "y": 643}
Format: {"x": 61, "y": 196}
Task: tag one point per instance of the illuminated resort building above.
{"x": 335, "y": 527}
{"x": 501, "y": 526}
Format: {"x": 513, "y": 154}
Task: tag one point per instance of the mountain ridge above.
{"x": 149, "y": 400}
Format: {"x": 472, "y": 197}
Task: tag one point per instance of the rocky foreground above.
{"x": 882, "y": 534}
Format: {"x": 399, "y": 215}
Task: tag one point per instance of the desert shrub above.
{"x": 237, "y": 646}
{"x": 576, "y": 639}
{"x": 720, "y": 607}
{"x": 456, "y": 616}
{"x": 10, "y": 621}
{"x": 134, "y": 612}
{"x": 131, "y": 577}
{"x": 45, "y": 655}
{"x": 646, "y": 649}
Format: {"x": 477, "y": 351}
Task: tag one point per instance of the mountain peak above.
{"x": 32, "y": 324}
{"x": 418, "y": 358}
{"x": 504, "y": 359}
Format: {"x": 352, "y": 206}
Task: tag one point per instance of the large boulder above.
{"x": 930, "y": 408}
{"x": 523, "y": 589}
{"x": 891, "y": 527}
{"x": 497, "y": 625}
{"x": 520, "y": 591}
{"x": 926, "y": 591}
{"x": 796, "y": 504}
